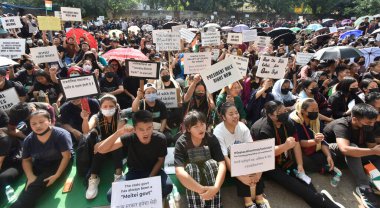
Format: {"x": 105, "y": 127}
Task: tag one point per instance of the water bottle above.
{"x": 177, "y": 196}
{"x": 336, "y": 179}
{"x": 171, "y": 201}
{"x": 10, "y": 192}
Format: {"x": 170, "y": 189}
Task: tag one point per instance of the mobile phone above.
{"x": 85, "y": 105}
{"x": 68, "y": 185}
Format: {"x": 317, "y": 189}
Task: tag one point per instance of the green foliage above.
{"x": 363, "y": 7}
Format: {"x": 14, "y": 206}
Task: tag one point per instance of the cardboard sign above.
{"x": 12, "y": 48}
{"x": 255, "y": 157}
{"x": 272, "y": 67}
{"x": 215, "y": 54}
{"x": 168, "y": 41}
{"x": 8, "y": 98}
{"x": 220, "y": 75}
{"x": 44, "y": 54}
{"x": 194, "y": 63}
{"x": 6, "y": 61}
{"x": 210, "y": 38}
{"x": 71, "y": 14}
{"x": 169, "y": 97}
{"x": 235, "y": 38}
{"x": 303, "y": 58}
{"x": 249, "y": 35}
{"x": 11, "y": 22}
{"x": 169, "y": 162}
{"x": 177, "y": 28}
{"x": 155, "y": 32}
{"x": 333, "y": 29}
{"x": 262, "y": 41}
{"x": 78, "y": 87}
{"x": 241, "y": 63}
{"x": 143, "y": 69}
{"x": 187, "y": 35}
{"x": 168, "y": 17}
{"x": 57, "y": 14}
{"x": 49, "y": 23}
{"x": 140, "y": 193}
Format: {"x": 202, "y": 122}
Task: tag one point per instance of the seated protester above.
{"x": 316, "y": 153}
{"x": 309, "y": 69}
{"x": 99, "y": 127}
{"x": 71, "y": 49}
{"x": 51, "y": 92}
{"x": 112, "y": 84}
{"x": 70, "y": 115}
{"x": 131, "y": 86}
{"x": 373, "y": 99}
{"x": 7, "y": 84}
{"x": 288, "y": 155}
{"x": 258, "y": 99}
{"x": 232, "y": 131}
{"x": 282, "y": 91}
{"x": 199, "y": 163}
{"x": 341, "y": 72}
{"x": 344, "y": 98}
{"x": 137, "y": 143}
{"x": 92, "y": 57}
{"x": 367, "y": 86}
{"x": 374, "y": 72}
{"x": 19, "y": 114}
{"x": 231, "y": 93}
{"x": 250, "y": 84}
{"x": 84, "y": 47}
{"x": 117, "y": 67}
{"x": 310, "y": 90}
{"x": 87, "y": 67}
{"x": 26, "y": 75}
{"x": 356, "y": 142}
{"x": 47, "y": 153}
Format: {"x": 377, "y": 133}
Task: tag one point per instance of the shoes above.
{"x": 92, "y": 190}
{"x": 263, "y": 205}
{"x": 251, "y": 206}
{"x": 367, "y": 197}
{"x": 117, "y": 178}
{"x": 326, "y": 195}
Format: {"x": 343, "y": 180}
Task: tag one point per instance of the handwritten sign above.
{"x": 177, "y": 28}
{"x": 44, "y": 54}
{"x": 77, "y": 87}
{"x": 168, "y": 42}
{"x": 12, "y": 48}
{"x": 235, "y": 38}
{"x": 155, "y": 32}
{"x": 215, "y": 54}
{"x": 262, "y": 41}
{"x": 196, "y": 62}
{"x": 303, "y": 58}
{"x": 143, "y": 69}
{"x": 249, "y": 35}
{"x": 71, "y": 14}
{"x": 241, "y": 63}
{"x": 272, "y": 67}
{"x": 255, "y": 157}
{"x": 169, "y": 97}
{"x": 210, "y": 38}
{"x": 49, "y": 23}
{"x": 11, "y": 22}
{"x": 187, "y": 35}
{"x": 220, "y": 75}
{"x": 140, "y": 193}
{"x": 8, "y": 98}
{"x": 169, "y": 162}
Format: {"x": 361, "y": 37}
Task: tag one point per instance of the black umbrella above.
{"x": 337, "y": 52}
{"x": 286, "y": 39}
{"x": 258, "y": 29}
{"x": 279, "y": 31}
{"x": 169, "y": 25}
{"x": 328, "y": 22}
{"x": 322, "y": 39}
{"x": 262, "y": 34}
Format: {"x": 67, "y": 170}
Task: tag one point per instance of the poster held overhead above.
{"x": 241, "y": 63}
{"x": 79, "y": 87}
{"x": 272, "y": 67}
{"x": 49, "y": 23}
{"x": 196, "y": 62}
{"x": 210, "y": 38}
{"x": 71, "y": 14}
{"x": 142, "y": 69}
{"x": 169, "y": 41}
{"x": 12, "y": 22}
{"x": 12, "y": 48}
{"x": 235, "y": 38}
{"x": 44, "y": 54}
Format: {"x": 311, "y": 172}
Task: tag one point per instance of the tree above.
{"x": 363, "y": 7}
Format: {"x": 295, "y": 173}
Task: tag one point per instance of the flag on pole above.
{"x": 49, "y": 5}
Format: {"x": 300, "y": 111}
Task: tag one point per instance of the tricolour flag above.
{"x": 49, "y": 5}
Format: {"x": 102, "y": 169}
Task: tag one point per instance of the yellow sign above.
{"x": 298, "y": 10}
{"x": 49, "y": 23}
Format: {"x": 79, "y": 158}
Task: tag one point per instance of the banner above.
{"x": 235, "y": 38}
{"x": 71, "y": 14}
{"x": 140, "y": 193}
{"x": 44, "y": 54}
{"x": 49, "y": 23}
{"x": 155, "y": 32}
{"x": 241, "y": 63}
{"x": 168, "y": 41}
{"x": 12, "y": 48}
{"x": 210, "y": 38}
{"x": 8, "y": 98}
{"x": 11, "y": 22}
{"x": 177, "y": 28}
{"x": 169, "y": 162}
{"x": 169, "y": 97}
{"x": 78, "y": 87}
{"x": 303, "y": 58}
{"x": 249, "y": 35}
{"x": 187, "y": 35}
{"x": 272, "y": 67}
{"x": 194, "y": 63}
{"x": 262, "y": 41}
{"x": 143, "y": 69}
{"x": 255, "y": 157}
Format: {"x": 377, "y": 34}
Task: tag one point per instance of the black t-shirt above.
{"x": 23, "y": 77}
{"x": 132, "y": 84}
{"x": 143, "y": 157}
{"x": 4, "y": 119}
{"x": 52, "y": 89}
{"x": 264, "y": 129}
{"x": 159, "y": 110}
{"x": 342, "y": 128}
{"x": 106, "y": 86}
{"x": 11, "y": 149}
{"x": 18, "y": 87}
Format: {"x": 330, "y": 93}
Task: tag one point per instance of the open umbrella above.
{"x": 287, "y": 39}
{"x": 361, "y": 19}
{"x": 370, "y": 54}
{"x": 328, "y": 22}
{"x": 337, "y": 52}
{"x": 346, "y": 22}
{"x": 240, "y": 28}
{"x": 147, "y": 27}
{"x": 322, "y": 30}
{"x": 279, "y": 31}
{"x": 80, "y": 33}
{"x": 346, "y": 28}
{"x": 169, "y": 25}
{"x": 209, "y": 25}
{"x": 295, "y": 29}
{"x": 314, "y": 27}
{"x": 262, "y": 33}
{"x": 134, "y": 29}
{"x": 355, "y": 33}
{"x": 117, "y": 32}
{"x": 376, "y": 31}
{"x": 226, "y": 28}
{"x": 125, "y": 53}
{"x": 195, "y": 30}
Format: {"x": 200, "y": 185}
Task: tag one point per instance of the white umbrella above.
{"x": 134, "y": 29}
{"x": 4, "y": 61}
{"x": 211, "y": 25}
{"x": 376, "y": 31}
{"x": 226, "y": 28}
{"x": 147, "y": 28}
{"x": 370, "y": 54}
{"x": 193, "y": 29}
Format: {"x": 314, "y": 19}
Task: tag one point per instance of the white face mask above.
{"x": 234, "y": 53}
{"x": 87, "y": 68}
{"x": 108, "y": 112}
{"x": 74, "y": 75}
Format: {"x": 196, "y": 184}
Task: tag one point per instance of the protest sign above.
{"x": 233, "y": 17}
{"x": 254, "y": 157}
{"x": 143, "y": 69}
{"x": 44, "y": 54}
{"x": 353, "y": 18}
{"x": 49, "y": 23}
{"x": 196, "y": 62}
{"x": 246, "y": 15}
{"x": 187, "y": 35}
{"x": 168, "y": 41}
{"x": 4, "y": 61}
{"x": 101, "y": 18}
{"x": 77, "y": 87}
{"x": 272, "y": 67}
{"x": 215, "y": 54}
{"x": 11, "y": 22}
{"x": 32, "y": 28}
{"x": 216, "y": 13}
{"x": 57, "y": 14}
{"x": 303, "y": 58}
{"x": 212, "y": 17}
{"x": 155, "y": 32}
{"x": 169, "y": 97}
{"x": 169, "y": 162}
{"x": 333, "y": 29}
{"x": 168, "y": 17}
{"x": 210, "y": 38}
{"x": 241, "y": 63}
{"x": 8, "y": 98}
{"x": 220, "y": 75}
{"x": 194, "y": 23}
{"x": 12, "y": 48}
{"x": 262, "y": 41}
{"x": 249, "y": 35}
{"x": 141, "y": 193}
{"x": 235, "y": 38}
{"x": 177, "y": 28}
{"x": 71, "y": 14}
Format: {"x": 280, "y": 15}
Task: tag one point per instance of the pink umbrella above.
{"x": 125, "y": 53}
{"x": 346, "y": 22}
{"x": 79, "y": 33}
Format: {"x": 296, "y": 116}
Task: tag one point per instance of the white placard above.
{"x": 249, "y": 35}
{"x": 143, "y": 69}
{"x": 57, "y": 14}
{"x": 220, "y": 75}
{"x": 333, "y": 29}
{"x": 303, "y": 58}
{"x": 8, "y": 98}
{"x": 194, "y": 23}
{"x": 169, "y": 97}
{"x": 187, "y": 35}
{"x": 168, "y": 17}
{"x": 71, "y": 14}
{"x": 241, "y": 63}
{"x": 177, "y": 28}
{"x": 255, "y": 157}
{"x": 212, "y": 17}
{"x": 233, "y": 17}
{"x": 378, "y": 37}
{"x": 155, "y": 32}
{"x": 262, "y": 41}
{"x": 235, "y": 38}
{"x": 11, "y": 22}
{"x": 215, "y": 13}
{"x": 12, "y": 48}
{"x": 272, "y": 67}
{"x": 101, "y": 18}
{"x": 32, "y": 29}
{"x": 44, "y": 54}
{"x": 246, "y": 15}
{"x": 353, "y": 18}
{"x": 4, "y": 61}
{"x": 169, "y": 162}
{"x": 215, "y": 54}
{"x": 210, "y": 38}
{"x": 77, "y": 87}
{"x": 168, "y": 41}
{"x": 194, "y": 63}
{"x": 140, "y": 193}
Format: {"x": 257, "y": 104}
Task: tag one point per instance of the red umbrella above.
{"x": 79, "y": 33}
{"x": 125, "y": 53}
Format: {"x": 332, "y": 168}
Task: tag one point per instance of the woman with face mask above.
{"x": 367, "y": 86}
{"x": 282, "y": 91}
{"x": 45, "y": 85}
{"x": 113, "y": 84}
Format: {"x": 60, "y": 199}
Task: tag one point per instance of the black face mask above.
{"x": 199, "y": 96}
{"x": 283, "y": 118}
{"x": 269, "y": 90}
{"x": 28, "y": 66}
{"x": 315, "y": 90}
{"x": 44, "y": 132}
{"x": 312, "y": 115}
{"x": 110, "y": 74}
{"x": 374, "y": 90}
{"x": 361, "y": 63}
{"x": 165, "y": 78}
{"x": 285, "y": 91}
{"x": 320, "y": 83}
{"x": 367, "y": 128}
{"x": 353, "y": 91}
